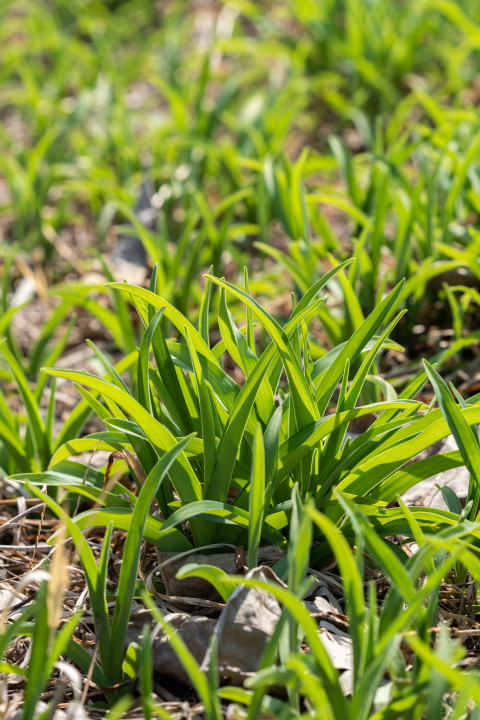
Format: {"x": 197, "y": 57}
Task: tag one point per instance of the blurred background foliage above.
{"x": 285, "y": 136}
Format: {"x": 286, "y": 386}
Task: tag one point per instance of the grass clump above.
{"x": 325, "y": 146}
{"x": 241, "y": 471}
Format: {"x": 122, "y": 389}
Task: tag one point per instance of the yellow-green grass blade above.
{"x": 96, "y": 589}
{"x": 353, "y": 584}
{"x": 216, "y": 576}
{"x": 206, "y": 413}
{"x": 256, "y": 498}
{"x": 112, "y": 441}
{"x": 171, "y": 540}
{"x": 133, "y": 545}
{"x": 143, "y": 382}
{"x": 305, "y": 408}
{"x": 352, "y": 349}
{"x": 459, "y": 427}
{"x": 34, "y": 419}
{"x": 297, "y": 446}
{"x": 181, "y": 473}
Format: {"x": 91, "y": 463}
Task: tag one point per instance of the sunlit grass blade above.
{"x": 208, "y": 428}
{"x": 143, "y": 384}
{"x": 305, "y": 408}
{"x": 326, "y": 385}
{"x": 256, "y": 498}
{"x": 181, "y": 473}
{"x": 203, "y": 324}
{"x": 461, "y": 431}
{"x": 216, "y": 576}
{"x": 129, "y": 569}
{"x": 198, "y": 679}
{"x": 92, "y": 576}
{"x": 34, "y": 419}
{"x": 352, "y": 581}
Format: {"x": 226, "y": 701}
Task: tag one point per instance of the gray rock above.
{"x": 128, "y": 256}
{"x": 198, "y": 587}
{"x": 41, "y": 707}
{"x": 244, "y": 628}
{"x": 195, "y": 632}
{"x": 8, "y": 598}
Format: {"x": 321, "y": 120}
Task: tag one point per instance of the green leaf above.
{"x": 237, "y": 346}
{"x": 111, "y": 441}
{"x": 206, "y": 413}
{"x": 131, "y": 556}
{"x": 460, "y": 429}
{"x": 172, "y": 393}
{"x": 37, "y": 674}
{"x": 305, "y": 409}
{"x": 170, "y": 540}
{"x": 15, "y": 447}
{"x": 451, "y": 499}
{"x": 203, "y": 326}
{"x": 249, "y": 318}
{"x": 220, "y": 513}
{"x": 34, "y": 419}
{"x": 271, "y": 440}
{"x": 198, "y": 679}
{"x": 143, "y": 385}
{"x": 216, "y": 576}
{"x": 352, "y": 581}
{"x": 181, "y": 473}
{"x": 256, "y": 498}
{"x": 381, "y": 553}
{"x": 297, "y": 445}
{"x": 171, "y": 313}
{"x": 296, "y": 608}
{"x": 111, "y": 372}
{"x": 92, "y": 576}
{"x": 327, "y": 383}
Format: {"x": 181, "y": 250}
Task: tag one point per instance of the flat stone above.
{"x": 9, "y": 599}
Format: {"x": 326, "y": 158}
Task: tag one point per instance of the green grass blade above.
{"x": 249, "y": 317}
{"x": 459, "y": 427}
{"x": 206, "y": 413}
{"x": 92, "y": 576}
{"x": 352, "y": 582}
{"x": 111, "y": 372}
{"x": 198, "y": 679}
{"x": 256, "y": 498}
{"x": 203, "y": 325}
{"x": 143, "y": 384}
{"x": 305, "y": 408}
{"x": 353, "y": 348}
{"x": 216, "y": 576}
{"x": 129, "y": 569}
{"x": 184, "y": 479}
{"x": 34, "y": 419}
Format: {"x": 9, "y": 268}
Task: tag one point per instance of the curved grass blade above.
{"x": 305, "y": 408}
{"x": 199, "y": 680}
{"x": 129, "y": 569}
{"x": 181, "y": 473}
{"x": 206, "y": 414}
{"x": 216, "y": 576}
{"x": 352, "y": 582}
{"x": 34, "y": 419}
{"x": 143, "y": 385}
{"x": 92, "y": 575}
{"x": 353, "y": 348}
